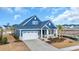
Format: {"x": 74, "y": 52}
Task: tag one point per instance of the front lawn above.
{"x": 65, "y": 43}
{"x": 13, "y": 46}
{"x": 16, "y": 46}
{"x": 73, "y": 37}
{"x": 62, "y": 42}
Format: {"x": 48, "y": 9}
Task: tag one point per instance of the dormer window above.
{"x": 34, "y": 22}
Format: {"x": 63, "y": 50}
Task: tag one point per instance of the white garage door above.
{"x": 30, "y": 35}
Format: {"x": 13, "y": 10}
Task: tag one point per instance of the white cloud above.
{"x": 68, "y": 16}
{"x": 10, "y": 10}
{"x": 18, "y": 8}
{"x": 7, "y": 9}
{"x": 15, "y": 9}
{"x": 62, "y": 16}
{"x": 49, "y": 17}
{"x": 16, "y": 17}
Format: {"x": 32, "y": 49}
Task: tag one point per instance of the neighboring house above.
{"x": 7, "y": 29}
{"x": 33, "y": 28}
{"x": 72, "y": 29}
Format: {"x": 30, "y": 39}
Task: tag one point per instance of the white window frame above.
{"x": 35, "y": 22}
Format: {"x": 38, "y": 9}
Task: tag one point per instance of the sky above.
{"x": 58, "y": 15}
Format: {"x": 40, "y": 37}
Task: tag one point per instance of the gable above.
{"x": 26, "y": 20}
{"x": 51, "y": 25}
{"x": 33, "y": 22}
{"x": 45, "y": 27}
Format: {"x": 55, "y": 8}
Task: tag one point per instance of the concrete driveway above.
{"x": 38, "y": 45}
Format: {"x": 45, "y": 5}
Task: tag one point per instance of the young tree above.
{"x": 1, "y": 33}
{"x": 59, "y": 29}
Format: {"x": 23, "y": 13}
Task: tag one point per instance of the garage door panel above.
{"x": 30, "y": 35}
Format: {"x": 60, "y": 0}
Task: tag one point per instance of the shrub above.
{"x": 58, "y": 40}
{"x": 0, "y": 39}
{"x": 17, "y": 38}
{"x": 50, "y": 38}
{"x": 4, "y": 41}
{"x": 73, "y": 38}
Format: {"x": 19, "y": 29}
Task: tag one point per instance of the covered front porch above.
{"x": 46, "y": 33}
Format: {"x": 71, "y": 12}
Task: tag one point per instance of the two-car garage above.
{"x": 29, "y": 35}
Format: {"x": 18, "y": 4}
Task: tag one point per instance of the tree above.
{"x": 59, "y": 29}
{"x": 12, "y": 28}
{"x": 1, "y": 33}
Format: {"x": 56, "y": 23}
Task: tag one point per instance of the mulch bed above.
{"x": 58, "y": 40}
{"x": 17, "y": 41}
{"x": 54, "y": 40}
{"x": 3, "y": 44}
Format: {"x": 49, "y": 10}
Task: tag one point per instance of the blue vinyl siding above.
{"x": 30, "y": 23}
{"x": 51, "y": 26}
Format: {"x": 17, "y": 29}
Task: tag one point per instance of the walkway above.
{"x": 70, "y": 48}
{"x": 38, "y": 45}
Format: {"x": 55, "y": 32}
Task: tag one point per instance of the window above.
{"x": 49, "y": 24}
{"x": 35, "y": 22}
{"x": 35, "y": 18}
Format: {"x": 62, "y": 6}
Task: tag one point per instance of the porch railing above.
{"x": 50, "y": 35}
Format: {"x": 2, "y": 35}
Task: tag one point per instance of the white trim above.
{"x": 47, "y": 27}
{"x": 41, "y": 33}
{"x": 27, "y": 21}
{"x": 29, "y": 29}
{"x": 20, "y": 34}
{"x": 45, "y": 24}
{"x": 32, "y": 29}
{"x": 56, "y": 33}
{"x": 47, "y": 33}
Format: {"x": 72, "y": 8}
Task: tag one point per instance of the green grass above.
{"x": 74, "y": 36}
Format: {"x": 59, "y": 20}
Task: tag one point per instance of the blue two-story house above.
{"x": 34, "y": 28}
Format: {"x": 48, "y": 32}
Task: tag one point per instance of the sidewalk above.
{"x": 70, "y": 48}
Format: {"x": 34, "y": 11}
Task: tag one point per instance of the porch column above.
{"x": 47, "y": 33}
{"x": 56, "y": 33}
{"x": 20, "y": 34}
{"x": 41, "y": 34}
